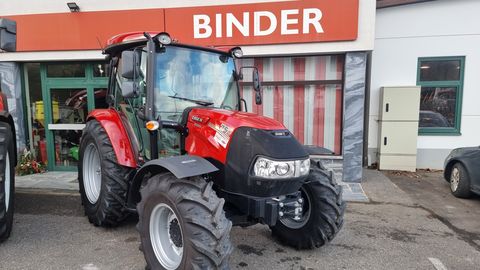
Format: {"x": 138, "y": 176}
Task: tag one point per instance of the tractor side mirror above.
{"x": 130, "y": 71}
{"x": 257, "y": 87}
{"x": 128, "y": 65}
{"x": 256, "y": 80}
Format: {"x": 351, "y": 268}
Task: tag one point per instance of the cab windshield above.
{"x": 188, "y": 77}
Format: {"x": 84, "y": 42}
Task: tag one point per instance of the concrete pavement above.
{"x": 65, "y": 181}
{"x": 430, "y": 191}
{"x": 392, "y": 231}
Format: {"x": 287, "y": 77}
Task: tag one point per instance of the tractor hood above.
{"x": 233, "y": 141}
{"x": 233, "y": 119}
{"x": 212, "y": 133}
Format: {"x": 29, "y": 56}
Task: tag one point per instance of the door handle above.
{"x": 385, "y": 141}
{"x": 387, "y": 107}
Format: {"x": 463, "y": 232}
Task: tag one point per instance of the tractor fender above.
{"x": 181, "y": 166}
{"x": 111, "y": 121}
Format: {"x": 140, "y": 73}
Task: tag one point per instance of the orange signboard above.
{"x": 81, "y": 30}
{"x": 296, "y": 21}
{"x": 265, "y": 23}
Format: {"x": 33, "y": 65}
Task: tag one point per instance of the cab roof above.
{"x": 129, "y": 40}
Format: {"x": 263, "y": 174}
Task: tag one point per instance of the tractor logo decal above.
{"x": 197, "y": 119}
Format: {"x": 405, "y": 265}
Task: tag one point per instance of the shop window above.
{"x": 441, "y": 81}
{"x": 36, "y": 123}
{"x": 70, "y": 90}
{"x": 304, "y": 93}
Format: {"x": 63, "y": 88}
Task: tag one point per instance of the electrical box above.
{"x": 398, "y": 128}
{"x": 8, "y": 35}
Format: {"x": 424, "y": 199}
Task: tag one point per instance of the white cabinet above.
{"x": 398, "y": 128}
{"x": 400, "y": 104}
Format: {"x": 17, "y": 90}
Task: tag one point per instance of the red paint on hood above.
{"x": 210, "y": 130}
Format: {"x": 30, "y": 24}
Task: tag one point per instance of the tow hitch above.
{"x": 291, "y": 206}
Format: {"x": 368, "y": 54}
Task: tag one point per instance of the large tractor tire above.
{"x": 182, "y": 224}
{"x": 103, "y": 182}
{"x": 322, "y": 217}
{"x": 7, "y": 180}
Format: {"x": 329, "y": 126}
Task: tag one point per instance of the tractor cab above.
{"x": 155, "y": 80}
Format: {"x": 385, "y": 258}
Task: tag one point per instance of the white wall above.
{"x": 437, "y": 28}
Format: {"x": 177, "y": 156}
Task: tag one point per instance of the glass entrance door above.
{"x": 66, "y": 104}
{"x": 69, "y": 109}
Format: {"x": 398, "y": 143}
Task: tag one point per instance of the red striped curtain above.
{"x": 304, "y": 93}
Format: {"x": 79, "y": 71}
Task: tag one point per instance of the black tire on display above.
{"x": 7, "y": 178}
{"x": 322, "y": 216}
{"x": 190, "y": 217}
{"x": 110, "y": 180}
{"x": 460, "y": 181}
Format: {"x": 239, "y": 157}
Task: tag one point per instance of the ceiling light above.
{"x": 73, "y": 7}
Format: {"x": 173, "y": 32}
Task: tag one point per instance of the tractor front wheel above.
{"x": 322, "y": 217}
{"x": 182, "y": 224}
{"x": 103, "y": 182}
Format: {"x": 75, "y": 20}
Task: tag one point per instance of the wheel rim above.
{"x": 7, "y": 182}
{"x": 454, "y": 179}
{"x": 306, "y": 206}
{"x": 92, "y": 173}
{"x": 166, "y": 236}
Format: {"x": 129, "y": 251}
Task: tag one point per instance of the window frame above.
{"x": 442, "y": 131}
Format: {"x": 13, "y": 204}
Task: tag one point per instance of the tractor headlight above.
{"x": 268, "y": 168}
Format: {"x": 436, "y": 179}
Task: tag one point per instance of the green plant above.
{"x": 28, "y": 164}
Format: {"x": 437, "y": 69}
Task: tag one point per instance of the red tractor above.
{"x": 175, "y": 147}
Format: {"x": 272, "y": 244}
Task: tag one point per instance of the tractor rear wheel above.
{"x": 103, "y": 182}
{"x": 322, "y": 217}
{"x": 182, "y": 224}
{"x": 7, "y": 180}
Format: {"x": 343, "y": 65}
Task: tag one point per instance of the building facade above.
{"x": 312, "y": 57}
{"x": 434, "y": 45}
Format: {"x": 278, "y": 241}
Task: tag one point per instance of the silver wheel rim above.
{"x": 454, "y": 179}
{"x": 297, "y": 224}
{"x": 7, "y": 182}
{"x": 166, "y": 236}
{"x": 92, "y": 173}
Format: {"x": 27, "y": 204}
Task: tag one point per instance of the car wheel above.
{"x": 460, "y": 181}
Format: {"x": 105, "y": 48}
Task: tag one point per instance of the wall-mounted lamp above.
{"x": 73, "y": 7}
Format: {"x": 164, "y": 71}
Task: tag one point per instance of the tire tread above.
{"x": 110, "y": 210}
{"x": 326, "y": 218}
{"x": 204, "y": 219}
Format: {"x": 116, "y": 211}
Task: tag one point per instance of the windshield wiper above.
{"x": 199, "y": 102}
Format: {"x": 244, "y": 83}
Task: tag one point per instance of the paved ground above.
{"x": 69, "y": 181}
{"x": 48, "y": 180}
{"x": 430, "y": 191}
{"x": 392, "y": 231}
